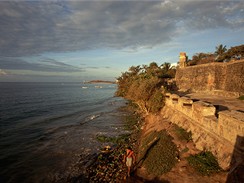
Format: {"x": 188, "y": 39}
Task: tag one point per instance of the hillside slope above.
{"x": 182, "y": 171}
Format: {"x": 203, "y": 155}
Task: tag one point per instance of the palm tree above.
{"x": 220, "y": 50}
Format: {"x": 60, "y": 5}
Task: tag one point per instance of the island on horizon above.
{"x": 100, "y": 81}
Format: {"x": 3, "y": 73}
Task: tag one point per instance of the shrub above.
{"x": 204, "y": 162}
{"x": 142, "y": 85}
{"x": 131, "y": 121}
{"x": 182, "y": 133}
{"x": 241, "y": 97}
{"x": 117, "y": 140}
{"x": 159, "y": 153}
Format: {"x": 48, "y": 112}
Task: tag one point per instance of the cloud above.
{"x": 35, "y": 27}
{"x": 45, "y": 65}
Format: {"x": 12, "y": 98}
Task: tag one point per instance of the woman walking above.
{"x": 129, "y": 158}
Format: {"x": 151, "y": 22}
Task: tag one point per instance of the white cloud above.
{"x": 44, "y": 65}
{"x": 34, "y": 27}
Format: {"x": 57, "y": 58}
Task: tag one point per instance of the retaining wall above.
{"x": 217, "y": 132}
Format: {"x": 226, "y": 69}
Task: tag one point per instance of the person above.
{"x": 129, "y": 158}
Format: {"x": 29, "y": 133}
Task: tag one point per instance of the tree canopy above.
{"x": 221, "y": 54}
{"x": 142, "y": 85}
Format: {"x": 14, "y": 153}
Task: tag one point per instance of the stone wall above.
{"x": 227, "y": 77}
{"x": 217, "y": 132}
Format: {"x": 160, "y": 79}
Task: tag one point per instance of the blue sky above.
{"x": 73, "y": 41}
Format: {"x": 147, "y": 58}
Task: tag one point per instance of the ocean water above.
{"x": 48, "y": 129}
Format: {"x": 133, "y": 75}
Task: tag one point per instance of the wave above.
{"x": 90, "y": 118}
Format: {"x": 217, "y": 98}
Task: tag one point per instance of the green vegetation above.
{"x": 158, "y": 153}
{"x": 182, "y": 133}
{"x": 204, "y": 162}
{"x": 117, "y": 140}
{"x": 142, "y": 85}
{"x": 236, "y": 52}
{"x": 131, "y": 121}
{"x": 221, "y": 54}
{"x": 220, "y": 50}
{"x": 241, "y": 97}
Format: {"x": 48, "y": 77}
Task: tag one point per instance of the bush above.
{"x": 182, "y": 133}
{"x": 117, "y": 140}
{"x": 131, "y": 121}
{"x": 159, "y": 153}
{"x": 241, "y": 97}
{"x": 204, "y": 162}
{"x": 142, "y": 85}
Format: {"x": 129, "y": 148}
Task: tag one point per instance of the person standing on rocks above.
{"x": 129, "y": 158}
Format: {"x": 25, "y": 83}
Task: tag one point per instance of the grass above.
{"x": 241, "y": 97}
{"x": 117, "y": 140}
{"x": 158, "y": 152}
{"x": 182, "y": 134}
{"x": 204, "y": 162}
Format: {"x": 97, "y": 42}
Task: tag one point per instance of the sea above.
{"x": 48, "y": 130}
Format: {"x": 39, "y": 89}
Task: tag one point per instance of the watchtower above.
{"x": 183, "y": 59}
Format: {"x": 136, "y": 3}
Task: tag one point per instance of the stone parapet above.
{"x": 201, "y": 109}
{"x": 231, "y": 125}
{"x": 212, "y": 131}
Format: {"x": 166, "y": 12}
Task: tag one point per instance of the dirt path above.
{"x": 182, "y": 172}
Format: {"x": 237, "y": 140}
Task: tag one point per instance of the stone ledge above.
{"x": 225, "y": 93}
{"x": 185, "y": 100}
{"x": 174, "y": 96}
{"x": 203, "y": 108}
{"x": 234, "y": 114}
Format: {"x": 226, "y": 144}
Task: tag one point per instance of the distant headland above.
{"x": 100, "y": 81}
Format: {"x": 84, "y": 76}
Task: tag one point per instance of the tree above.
{"x": 236, "y": 52}
{"x": 142, "y": 85}
{"x": 201, "y": 58}
{"x": 220, "y": 50}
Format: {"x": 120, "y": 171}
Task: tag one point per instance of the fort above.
{"x": 216, "y": 78}
{"x": 210, "y": 110}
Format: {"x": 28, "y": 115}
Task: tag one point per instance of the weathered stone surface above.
{"x": 225, "y": 93}
{"x": 200, "y": 109}
{"x": 228, "y": 77}
{"x": 185, "y": 100}
{"x": 231, "y": 125}
{"x": 167, "y": 94}
{"x": 174, "y": 96}
{"x": 218, "y": 133}
{"x": 202, "y": 137}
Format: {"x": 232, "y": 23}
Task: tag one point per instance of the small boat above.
{"x": 84, "y": 87}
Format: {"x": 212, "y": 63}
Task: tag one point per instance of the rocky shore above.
{"x": 163, "y": 142}
{"x": 108, "y": 165}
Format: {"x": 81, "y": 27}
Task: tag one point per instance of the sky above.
{"x": 76, "y": 41}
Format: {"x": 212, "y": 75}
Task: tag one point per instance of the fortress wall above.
{"x": 213, "y": 76}
{"x": 211, "y": 131}
{"x": 235, "y": 77}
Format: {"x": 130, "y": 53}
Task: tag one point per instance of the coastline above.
{"x": 107, "y": 167}
{"x": 99, "y": 82}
